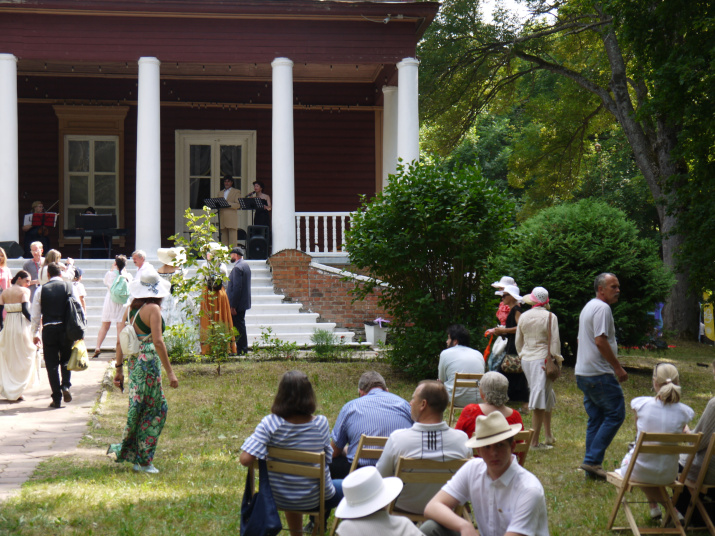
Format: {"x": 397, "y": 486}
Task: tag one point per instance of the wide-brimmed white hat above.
{"x": 503, "y": 282}
{"x": 171, "y": 256}
{"x": 366, "y": 492}
{"x": 538, "y": 296}
{"x": 149, "y": 284}
{"x": 491, "y": 429}
{"x": 512, "y": 290}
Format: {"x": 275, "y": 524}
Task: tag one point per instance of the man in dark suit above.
{"x": 239, "y": 296}
{"x": 49, "y": 308}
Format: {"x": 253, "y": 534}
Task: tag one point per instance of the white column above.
{"x": 148, "y": 189}
{"x": 408, "y": 130}
{"x": 282, "y": 156}
{"x": 9, "y": 214}
{"x": 389, "y": 133}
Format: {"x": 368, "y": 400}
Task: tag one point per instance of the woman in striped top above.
{"x": 292, "y": 425}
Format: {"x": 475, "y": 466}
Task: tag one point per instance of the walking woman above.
{"x": 114, "y": 305}
{"x": 532, "y": 335}
{"x": 147, "y": 404}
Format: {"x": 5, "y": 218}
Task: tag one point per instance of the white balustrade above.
{"x": 321, "y": 233}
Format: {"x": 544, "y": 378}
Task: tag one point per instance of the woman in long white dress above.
{"x": 111, "y": 310}
{"x": 19, "y": 368}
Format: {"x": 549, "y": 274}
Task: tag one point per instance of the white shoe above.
{"x": 146, "y": 468}
{"x": 655, "y": 513}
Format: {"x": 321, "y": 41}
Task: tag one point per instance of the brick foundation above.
{"x": 322, "y": 292}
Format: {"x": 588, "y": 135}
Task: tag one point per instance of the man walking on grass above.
{"x": 599, "y": 373}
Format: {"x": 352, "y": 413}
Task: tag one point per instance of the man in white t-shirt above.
{"x": 429, "y": 439}
{"x": 459, "y": 357}
{"x": 599, "y": 373}
{"x": 507, "y": 500}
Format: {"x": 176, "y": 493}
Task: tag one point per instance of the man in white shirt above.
{"x": 429, "y": 439}
{"x": 458, "y": 357}
{"x": 507, "y": 500}
{"x": 139, "y": 260}
{"x": 599, "y": 373}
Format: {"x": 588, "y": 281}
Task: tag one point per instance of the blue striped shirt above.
{"x": 290, "y": 491}
{"x": 378, "y": 413}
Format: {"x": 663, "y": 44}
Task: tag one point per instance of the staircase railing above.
{"x": 321, "y": 233}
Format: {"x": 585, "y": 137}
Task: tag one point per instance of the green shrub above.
{"x": 181, "y": 342}
{"x": 564, "y": 248}
{"x": 428, "y": 235}
{"x": 324, "y": 341}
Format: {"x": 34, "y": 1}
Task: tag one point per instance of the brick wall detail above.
{"x": 321, "y": 292}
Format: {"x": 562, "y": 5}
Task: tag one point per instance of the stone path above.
{"x": 31, "y": 432}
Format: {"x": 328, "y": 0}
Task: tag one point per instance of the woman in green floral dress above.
{"x": 147, "y": 404}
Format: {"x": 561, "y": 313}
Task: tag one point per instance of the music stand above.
{"x": 252, "y": 204}
{"x": 217, "y": 203}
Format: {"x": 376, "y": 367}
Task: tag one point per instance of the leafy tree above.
{"x": 428, "y": 236}
{"x": 564, "y": 248}
{"x": 647, "y": 63}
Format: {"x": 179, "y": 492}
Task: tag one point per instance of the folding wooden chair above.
{"x": 463, "y": 380}
{"x": 697, "y": 488}
{"x": 310, "y": 465}
{"x": 416, "y": 471}
{"x": 369, "y": 448}
{"x": 523, "y": 443}
{"x": 651, "y": 443}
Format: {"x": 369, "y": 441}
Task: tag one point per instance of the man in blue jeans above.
{"x": 599, "y": 374}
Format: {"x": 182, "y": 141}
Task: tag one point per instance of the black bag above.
{"x": 259, "y": 515}
{"x": 75, "y": 322}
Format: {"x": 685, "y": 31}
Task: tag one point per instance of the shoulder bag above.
{"x": 511, "y": 364}
{"x": 128, "y": 339}
{"x": 259, "y": 514}
{"x": 79, "y": 360}
{"x": 551, "y": 365}
{"x": 75, "y": 322}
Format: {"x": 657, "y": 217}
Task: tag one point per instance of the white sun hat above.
{"x": 503, "y": 282}
{"x": 490, "y": 429}
{"x": 538, "y": 297}
{"x": 513, "y": 291}
{"x": 149, "y": 284}
{"x": 171, "y": 256}
{"x": 366, "y": 492}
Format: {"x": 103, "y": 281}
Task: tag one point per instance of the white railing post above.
{"x": 329, "y": 244}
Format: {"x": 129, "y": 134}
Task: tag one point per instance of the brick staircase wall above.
{"x": 322, "y": 291}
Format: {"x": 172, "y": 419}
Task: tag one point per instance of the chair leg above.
{"x": 670, "y": 510}
{"x": 631, "y": 520}
{"x": 616, "y": 506}
{"x": 706, "y": 517}
{"x": 334, "y": 527}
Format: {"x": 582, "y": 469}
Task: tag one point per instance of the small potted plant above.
{"x": 376, "y": 331}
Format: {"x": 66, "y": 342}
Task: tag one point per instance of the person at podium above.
{"x": 263, "y": 216}
{"x": 229, "y": 216}
{"x": 35, "y": 233}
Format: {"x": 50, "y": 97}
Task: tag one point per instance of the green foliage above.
{"x": 181, "y": 341}
{"x": 564, "y": 248}
{"x": 218, "y": 338}
{"x": 273, "y": 347}
{"x": 323, "y": 341}
{"x": 428, "y": 236}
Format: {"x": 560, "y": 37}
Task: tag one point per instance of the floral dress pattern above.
{"x": 147, "y": 408}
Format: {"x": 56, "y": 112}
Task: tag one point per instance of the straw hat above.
{"x": 171, "y": 256}
{"x": 504, "y": 281}
{"x": 491, "y": 429}
{"x": 149, "y": 284}
{"x": 538, "y": 296}
{"x": 366, "y": 492}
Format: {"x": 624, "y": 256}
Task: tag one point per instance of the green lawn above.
{"x": 201, "y": 482}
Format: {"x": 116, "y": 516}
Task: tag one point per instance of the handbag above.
{"x": 128, "y": 339}
{"x": 259, "y": 514}
{"x": 497, "y": 355}
{"x": 511, "y": 364}
{"x": 75, "y": 321}
{"x": 79, "y": 360}
{"x": 551, "y": 365}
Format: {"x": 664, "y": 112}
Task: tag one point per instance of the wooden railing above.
{"x": 321, "y": 233}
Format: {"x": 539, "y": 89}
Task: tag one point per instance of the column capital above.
{"x": 389, "y": 89}
{"x": 279, "y": 62}
{"x": 407, "y": 62}
{"x": 148, "y": 60}
{"x": 8, "y": 57}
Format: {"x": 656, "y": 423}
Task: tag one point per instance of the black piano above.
{"x": 102, "y": 228}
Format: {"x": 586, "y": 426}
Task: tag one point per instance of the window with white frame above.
{"x": 91, "y": 176}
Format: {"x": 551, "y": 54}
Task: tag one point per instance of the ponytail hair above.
{"x": 667, "y": 383}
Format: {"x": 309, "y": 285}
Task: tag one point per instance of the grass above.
{"x": 201, "y": 482}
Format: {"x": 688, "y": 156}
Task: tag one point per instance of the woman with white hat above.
{"x": 172, "y": 260}
{"x": 532, "y": 337}
{"x": 147, "y": 404}
{"x": 518, "y": 387}
{"x": 503, "y": 309}
{"x": 363, "y": 510}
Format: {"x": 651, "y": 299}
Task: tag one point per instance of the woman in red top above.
{"x": 493, "y": 389}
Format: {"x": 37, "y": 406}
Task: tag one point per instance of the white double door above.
{"x": 203, "y": 158}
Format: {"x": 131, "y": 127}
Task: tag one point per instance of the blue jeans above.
{"x": 606, "y": 409}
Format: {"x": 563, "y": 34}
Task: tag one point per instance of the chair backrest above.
{"x": 301, "y": 463}
{"x": 700, "y": 482}
{"x": 521, "y": 449}
{"x": 462, "y": 380}
{"x": 417, "y": 471}
{"x": 369, "y": 448}
{"x": 698, "y": 487}
{"x": 654, "y": 443}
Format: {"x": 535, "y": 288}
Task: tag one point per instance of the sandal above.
{"x": 96, "y": 353}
